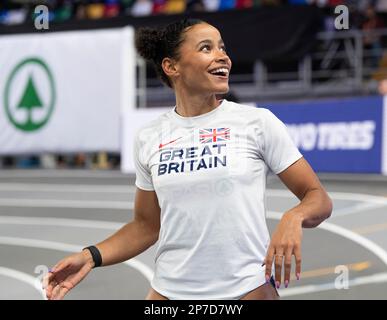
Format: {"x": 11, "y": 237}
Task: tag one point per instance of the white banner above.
{"x": 133, "y": 120}
{"x": 65, "y": 91}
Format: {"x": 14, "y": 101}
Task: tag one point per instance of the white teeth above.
{"x": 224, "y": 70}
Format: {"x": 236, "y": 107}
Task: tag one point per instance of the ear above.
{"x": 169, "y": 67}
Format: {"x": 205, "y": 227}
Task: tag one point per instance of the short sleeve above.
{"x": 143, "y": 173}
{"x": 279, "y": 150}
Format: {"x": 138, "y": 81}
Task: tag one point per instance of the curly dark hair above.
{"x": 154, "y": 44}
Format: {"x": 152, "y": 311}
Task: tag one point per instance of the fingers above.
{"x": 60, "y": 266}
{"x": 269, "y": 262}
{"x": 288, "y": 266}
{"x": 46, "y": 279}
{"x": 283, "y": 264}
{"x": 297, "y": 254}
{"x": 51, "y": 282}
{"x": 78, "y": 277}
{"x": 63, "y": 277}
{"x": 278, "y": 260}
{"x": 60, "y": 290}
{"x": 57, "y": 290}
{"x": 50, "y": 288}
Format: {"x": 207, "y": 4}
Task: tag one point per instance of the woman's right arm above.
{"x": 131, "y": 240}
{"x": 136, "y": 236}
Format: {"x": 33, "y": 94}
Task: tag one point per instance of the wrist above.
{"x": 88, "y": 257}
{"x": 295, "y": 216}
{"x": 96, "y": 255}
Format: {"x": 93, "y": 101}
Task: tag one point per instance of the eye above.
{"x": 206, "y": 47}
{"x": 223, "y": 48}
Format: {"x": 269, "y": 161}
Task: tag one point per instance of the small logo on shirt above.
{"x": 170, "y": 142}
{"x": 214, "y": 135}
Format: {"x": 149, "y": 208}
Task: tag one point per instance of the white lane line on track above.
{"x": 50, "y": 187}
{"x": 61, "y": 246}
{"x": 128, "y": 205}
{"x": 107, "y": 225}
{"x": 378, "y": 227}
{"x": 78, "y": 204}
{"x": 130, "y": 189}
{"x": 366, "y": 243}
{"x": 364, "y": 202}
{"x": 358, "y": 197}
{"x": 369, "y": 202}
{"x": 78, "y": 223}
{"x": 61, "y": 222}
{"x": 23, "y": 277}
{"x": 356, "y": 208}
{"x": 113, "y": 188}
{"x": 362, "y": 241}
{"x": 375, "y": 201}
{"x": 375, "y": 278}
{"x": 46, "y": 173}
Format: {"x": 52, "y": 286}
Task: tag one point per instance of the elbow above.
{"x": 149, "y": 231}
{"x": 325, "y": 211}
{"x": 155, "y": 237}
{"x": 154, "y": 232}
{"x": 151, "y": 238}
{"x": 328, "y": 204}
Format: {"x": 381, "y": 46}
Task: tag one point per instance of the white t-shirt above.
{"x": 209, "y": 174}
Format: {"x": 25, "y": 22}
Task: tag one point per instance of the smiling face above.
{"x": 203, "y": 65}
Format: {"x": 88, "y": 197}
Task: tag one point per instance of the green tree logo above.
{"x": 23, "y": 95}
{"x": 30, "y": 100}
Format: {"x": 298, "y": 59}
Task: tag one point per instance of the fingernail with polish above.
{"x": 298, "y": 276}
{"x": 286, "y": 283}
{"x": 278, "y": 285}
{"x": 267, "y": 279}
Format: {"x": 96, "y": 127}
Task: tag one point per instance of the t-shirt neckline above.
{"x": 187, "y": 121}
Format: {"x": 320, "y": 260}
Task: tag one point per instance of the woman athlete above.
{"x": 201, "y": 176}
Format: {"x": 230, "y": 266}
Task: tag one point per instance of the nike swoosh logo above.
{"x": 163, "y": 145}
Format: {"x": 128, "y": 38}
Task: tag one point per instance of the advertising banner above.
{"x": 65, "y": 91}
{"x": 339, "y": 135}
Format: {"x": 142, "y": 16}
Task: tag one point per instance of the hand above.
{"x": 285, "y": 242}
{"x": 66, "y": 274}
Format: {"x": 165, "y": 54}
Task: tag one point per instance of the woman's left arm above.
{"x": 314, "y": 208}
{"x": 315, "y": 205}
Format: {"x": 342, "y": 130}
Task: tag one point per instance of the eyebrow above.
{"x": 209, "y": 41}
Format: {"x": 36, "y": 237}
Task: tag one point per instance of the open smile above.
{"x": 220, "y": 73}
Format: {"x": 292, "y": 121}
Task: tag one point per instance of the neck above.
{"x": 195, "y": 105}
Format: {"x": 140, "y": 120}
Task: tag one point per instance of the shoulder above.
{"x": 152, "y": 128}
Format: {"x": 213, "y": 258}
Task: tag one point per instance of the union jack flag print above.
{"x": 214, "y": 135}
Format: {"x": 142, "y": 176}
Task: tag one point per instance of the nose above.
{"x": 222, "y": 56}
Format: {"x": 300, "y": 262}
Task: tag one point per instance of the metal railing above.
{"x": 342, "y": 63}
